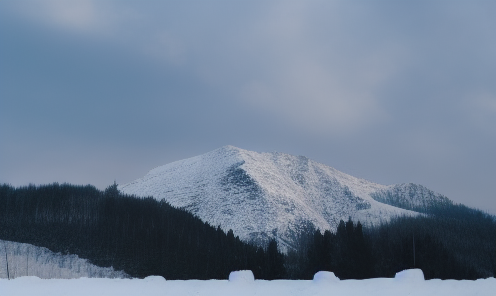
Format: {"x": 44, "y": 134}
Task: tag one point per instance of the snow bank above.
{"x": 410, "y": 275}
{"x": 241, "y": 276}
{"x": 325, "y": 277}
{"x": 154, "y": 278}
{"x": 156, "y": 286}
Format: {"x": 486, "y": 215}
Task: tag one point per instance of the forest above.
{"x": 143, "y": 236}
{"x": 140, "y": 236}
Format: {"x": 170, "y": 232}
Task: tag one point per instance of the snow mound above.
{"x": 410, "y": 275}
{"x": 130, "y": 287}
{"x": 325, "y": 277}
{"x": 241, "y": 276}
{"x": 154, "y": 278}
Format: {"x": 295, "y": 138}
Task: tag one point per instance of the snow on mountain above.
{"x": 412, "y": 197}
{"x": 265, "y": 195}
{"x": 28, "y": 260}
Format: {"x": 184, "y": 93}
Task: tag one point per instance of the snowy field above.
{"x": 408, "y": 282}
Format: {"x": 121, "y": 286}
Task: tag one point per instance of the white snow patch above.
{"x": 410, "y": 275}
{"x": 325, "y": 277}
{"x": 154, "y": 278}
{"x": 241, "y": 276}
{"x": 123, "y": 287}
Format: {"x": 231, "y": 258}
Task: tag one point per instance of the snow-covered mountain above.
{"x": 273, "y": 195}
{"x": 29, "y": 260}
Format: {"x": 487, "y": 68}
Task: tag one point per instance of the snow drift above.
{"x": 409, "y": 285}
{"x": 325, "y": 277}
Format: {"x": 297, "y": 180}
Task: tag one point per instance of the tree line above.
{"x": 444, "y": 247}
{"x": 143, "y": 236}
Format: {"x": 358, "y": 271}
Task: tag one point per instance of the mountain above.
{"x": 275, "y": 195}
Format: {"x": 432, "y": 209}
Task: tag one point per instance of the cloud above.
{"x": 165, "y": 47}
{"x": 108, "y": 19}
{"x": 386, "y": 86}
{"x": 480, "y": 110}
{"x": 288, "y": 60}
{"x": 312, "y": 99}
{"x": 70, "y": 15}
{"x": 326, "y": 83}
{"x": 80, "y": 15}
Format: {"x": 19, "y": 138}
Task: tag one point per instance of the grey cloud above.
{"x": 388, "y": 91}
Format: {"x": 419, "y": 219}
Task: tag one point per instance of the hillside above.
{"x": 29, "y": 260}
{"x": 272, "y": 195}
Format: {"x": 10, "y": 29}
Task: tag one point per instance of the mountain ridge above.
{"x": 270, "y": 195}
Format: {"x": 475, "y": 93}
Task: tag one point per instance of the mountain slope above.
{"x": 29, "y": 260}
{"x": 265, "y": 195}
{"x": 412, "y": 197}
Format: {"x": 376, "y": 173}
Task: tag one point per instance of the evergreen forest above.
{"x": 143, "y": 236}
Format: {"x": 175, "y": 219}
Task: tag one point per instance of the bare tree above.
{"x": 6, "y": 260}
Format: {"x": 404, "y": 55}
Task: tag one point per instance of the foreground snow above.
{"x": 406, "y": 283}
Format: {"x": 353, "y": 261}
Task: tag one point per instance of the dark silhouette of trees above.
{"x": 443, "y": 246}
{"x": 275, "y": 262}
{"x": 458, "y": 246}
{"x": 141, "y": 236}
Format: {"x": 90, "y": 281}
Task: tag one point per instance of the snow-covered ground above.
{"x": 405, "y": 283}
{"x": 28, "y": 260}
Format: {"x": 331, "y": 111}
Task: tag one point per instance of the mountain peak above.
{"x": 267, "y": 195}
{"x": 230, "y": 147}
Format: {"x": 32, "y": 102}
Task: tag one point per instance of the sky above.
{"x": 93, "y": 92}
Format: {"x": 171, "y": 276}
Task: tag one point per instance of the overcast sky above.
{"x": 389, "y": 91}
